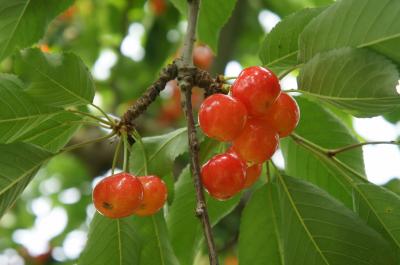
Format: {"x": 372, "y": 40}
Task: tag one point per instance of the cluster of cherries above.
{"x": 124, "y": 194}
{"x": 252, "y": 118}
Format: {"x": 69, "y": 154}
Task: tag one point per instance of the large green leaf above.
{"x": 156, "y": 245}
{"x": 59, "y": 80}
{"x": 259, "y": 237}
{"x": 321, "y": 127}
{"x": 213, "y": 16}
{"x": 280, "y": 47}
{"x": 354, "y": 23}
{"x": 358, "y": 81}
{"x": 24, "y": 21}
{"x": 184, "y": 227}
{"x": 287, "y": 7}
{"x": 111, "y": 241}
{"x": 19, "y": 113}
{"x": 160, "y": 151}
{"x": 380, "y": 208}
{"x": 54, "y": 133}
{"x": 317, "y": 229}
{"x": 18, "y": 164}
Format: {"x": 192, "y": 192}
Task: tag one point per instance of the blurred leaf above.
{"x": 354, "y": 23}
{"x": 156, "y": 246}
{"x": 53, "y": 133}
{"x": 358, "y": 81}
{"x": 19, "y": 163}
{"x": 213, "y": 16}
{"x": 380, "y": 209}
{"x": 111, "y": 241}
{"x": 321, "y": 127}
{"x": 161, "y": 151}
{"x": 286, "y": 7}
{"x": 393, "y": 116}
{"x": 181, "y": 5}
{"x": 19, "y": 113}
{"x": 259, "y": 229}
{"x": 59, "y": 80}
{"x": 184, "y": 227}
{"x": 280, "y": 46}
{"x": 317, "y": 229}
{"x": 25, "y": 21}
{"x": 393, "y": 185}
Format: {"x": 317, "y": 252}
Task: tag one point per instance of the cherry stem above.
{"x": 139, "y": 140}
{"x": 112, "y": 122}
{"x": 116, "y": 155}
{"x": 125, "y": 167}
{"x": 226, "y": 78}
{"x": 268, "y": 171}
{"x": 91, "y": 116}
{"x": 334, "y": 152}
{"x": 75, "y": 146}
{"x": 288, "y": 71}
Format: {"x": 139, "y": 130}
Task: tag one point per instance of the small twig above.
{"x": 334, "y": 152}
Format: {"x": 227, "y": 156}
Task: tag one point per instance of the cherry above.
{"x": 222, "y": 117}
{"x": 283, "y": 115}
{"x": 253, "y": 172}
{"x": 203, "y": 57}
{"x": 257, "y": 88}
{"x": 158, "y": 6}
{"x": 118, "y": 195}
{"x": 257, "y": 142}
{"x": 154, "y": 195}
{"x": 223, "y": 176}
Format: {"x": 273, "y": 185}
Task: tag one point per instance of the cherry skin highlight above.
{"x": 253, "y": 172}
{"x": 222, "y": 117}
{"x": 203, "y": 57}
{"x": 257, "y": 88}
{"x": 154, "y": 195}
{"x": 223, "y": 176}
{"x": 257, "y": 142}
{"x": 118, "y": 195}
{"x": 283, "y": 115}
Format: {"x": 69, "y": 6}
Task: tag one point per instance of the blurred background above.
{"x": 125, "y": 43}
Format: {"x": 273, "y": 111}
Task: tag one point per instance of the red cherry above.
{"x": 118, "y": 195}
{"x": 257, "y": 142}
{"x": 257, "y": 88}
{"x": 252, "y": 172}
{"x": 158, "y": 6}
{"x": 154, "y": 195}
{"x": 223, "y": 176}
{"x": 203, "y": 57}
{"x": 222, "y": 117}
{"x": 283, "y": 115}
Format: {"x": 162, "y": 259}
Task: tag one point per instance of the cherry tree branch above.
{"x": 186, "y": 76}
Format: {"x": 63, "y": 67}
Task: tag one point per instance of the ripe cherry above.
{"x": 257, "y": 88}
{"x": 118, "y": 195}
{"x": 253, "y": 172}
{"x": 283, "y": 115}
{"x": 222, "y": 117}
{"x": 223, "y": 176}
{"x": 158, "y": 6}
{"x": 154, "y": 195}
{"x": 257, "y": 142}
{"x": 203, "y": 57}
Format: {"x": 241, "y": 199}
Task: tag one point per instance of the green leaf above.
{"x": 213, "y": 16}
{"x": 156, "y": 246}
{"x": 111, "y": 241}
{"x": 181, "y": 5}
{"x": 54, "y": 133}
{"x": 358, "y": 81}
{"x": 354, "y": 23}
{"x": 280, "y": 47}
{"x": 317, "y": 229}
{"x": 380, "y": 208}
{"x": 58, "y": 80}
{"x": 161, "y": 151}
{"x": 19, "y": 163}
{"x": 260, "y": 225}
{"x": 321, "y": 127}
{"x": 184, "y": 227}
{"x": 25, "y": 21}
{"x": 19, "y": 113}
